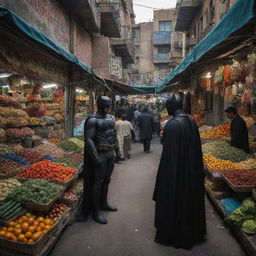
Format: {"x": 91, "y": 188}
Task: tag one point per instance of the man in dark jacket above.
{"x": 146, "y": 126}
{"x": 238, "y": 130}
{"x": 179, "y": 190}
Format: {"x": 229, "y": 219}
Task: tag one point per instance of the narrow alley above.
{"x": 130, "y": 231}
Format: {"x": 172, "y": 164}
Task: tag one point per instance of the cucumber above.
{"x": 13, "y": 214}
{"x": 11, "y": 210}
{"x": 4, "y": 205}
{"x": 10, "y": 206}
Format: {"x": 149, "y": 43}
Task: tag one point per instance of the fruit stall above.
{"x": 40, "y": 193}
{"x": 230, "y": 183}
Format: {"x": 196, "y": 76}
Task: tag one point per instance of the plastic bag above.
{"x": 230, "y": 204}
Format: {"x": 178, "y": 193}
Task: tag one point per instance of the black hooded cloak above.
{"x": 179, "y": 190}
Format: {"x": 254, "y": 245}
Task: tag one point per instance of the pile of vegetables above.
{"x": 70, "y": 196}
{"x": 9, "y": 210}
{"x": 26, "y": 229}
{"x": 50, "y": 149}
{"x": 57, "y": 211}
{"x": 232, "y": 154}
{"x": 6, "y": 100}
{"x": 9, "y": 168}
{"x": 48, "y": 170}
{"x": 55, "y": 141}
{"x": 30, "y": 156}
{"x": 249, "y": 164}
{"x": 76, "y": 187}
{"x": 5, "y": 149}
{"x": 6, "y": 187}
{"x": 75, "y": 156}
{"x": 241, "y": 177}
{"x": 244, "y": 215}
{"x": 36, "y": 191}
{"x": 214, "y": 146}
{"x": 13, "y": 113}
{"x": 15, "y": 158}
{"x": 221, "y": 131}
{"x": 16, "y": 133}
{"x": 215, "y": 164}
{"x": 68, "y": 162}
{"x": 73, "y": 145}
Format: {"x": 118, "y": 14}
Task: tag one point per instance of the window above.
{"x": 165, "y": 26}
{"x": 164, "y": 49}
{"x": 136, "y": 35}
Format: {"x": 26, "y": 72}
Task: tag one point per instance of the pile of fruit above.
{"x": 36, "y": 191}
{"x": 16, "y": 133}
{"x": 249, "y": 121}
{"x": 34, "y": 120}
{"x": 241, "y": 177}
{"x": 30, "y": 156}
{"x": 215, "y": 164}
{"x": 249, "y": 164}
{"x": 221, "y": 131}
{"x": 10, "y": 209}
{"x": 57, "y": 211}
{"x": 55, "y": 141}
{"x": 6, "y": 100}
{"x": 70, "y": 196}
{"x": 8, "y": 168}
{"x": 6, "y": 187}
{"x": 26, "y": 229}
{"x": 48, "y": 170}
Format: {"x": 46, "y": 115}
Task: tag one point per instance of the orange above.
{"x": 4, "y": 228}
{"x": 17, "y": 231}
{"x": 35, "y": 224}
{"x": 21, "y": 238}
{"x": 2, "y": 233}
{"x": 40, "y": 219}
{"x": 8, "y": 235}
{"x": 32, "y": 229}
{"x": 11, "y": 224}
{"x": 31, "y": 221}
{"x": 42, "y": 226}
{"x": 24, "y": 218}
{"x": 36, "y": 236}
{"x": 14, "y": 238}
{"x": 47, "y": 222}
{"x": 28, "y": 235}
{"x": 47, "y": 227}
{"x": 17, "y": 226}
{"x": 38, "y": 229}
{"x": 10, "y": 229}
{"x": 30, "y": 240}
{"x": 24, "y": 226}
{"x": 44, "y": 231}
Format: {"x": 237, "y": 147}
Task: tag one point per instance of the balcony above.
{"x": 162, "y": 38}
{"x": 110, "y": 22}
{"x": 85, "y": 11}
{"x": 186, "y": 11}
{"x": 160, "y": 58}
{"x": 124, "y": 47}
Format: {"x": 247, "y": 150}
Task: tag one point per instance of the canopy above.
{"x": 10, "y": 19}
{"x": 228, "y": 34}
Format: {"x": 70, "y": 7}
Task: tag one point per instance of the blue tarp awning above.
{"x": 10, "y": 18}
{"x": 238, "y": 16}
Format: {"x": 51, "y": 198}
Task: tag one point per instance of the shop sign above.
{"x": 30, "y": 63}
{"x": 116, "y": 67}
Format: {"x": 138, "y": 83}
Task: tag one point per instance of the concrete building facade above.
{"x": 158, "y": 48}
{"x": 196, "y": 18}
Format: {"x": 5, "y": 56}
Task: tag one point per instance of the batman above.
{"x": 179, "y": 189}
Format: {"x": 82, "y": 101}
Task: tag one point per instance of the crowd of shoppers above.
{"x": 137, "y": 123}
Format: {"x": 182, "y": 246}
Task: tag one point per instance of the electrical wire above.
{"x": 145, "y": 6}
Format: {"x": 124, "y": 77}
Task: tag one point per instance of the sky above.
{"x": 146, "y": 14}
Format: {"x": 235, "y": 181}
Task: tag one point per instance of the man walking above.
{"x": 146, "y": 126}
{"x": 156, "y": 116}
{"x": 128, "y": 132}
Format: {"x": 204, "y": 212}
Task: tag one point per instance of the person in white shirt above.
{"x": 120, "y": 136}
{"x": 128, "y": 132}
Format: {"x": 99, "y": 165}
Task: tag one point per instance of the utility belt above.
{"x": 106, "y": 147}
